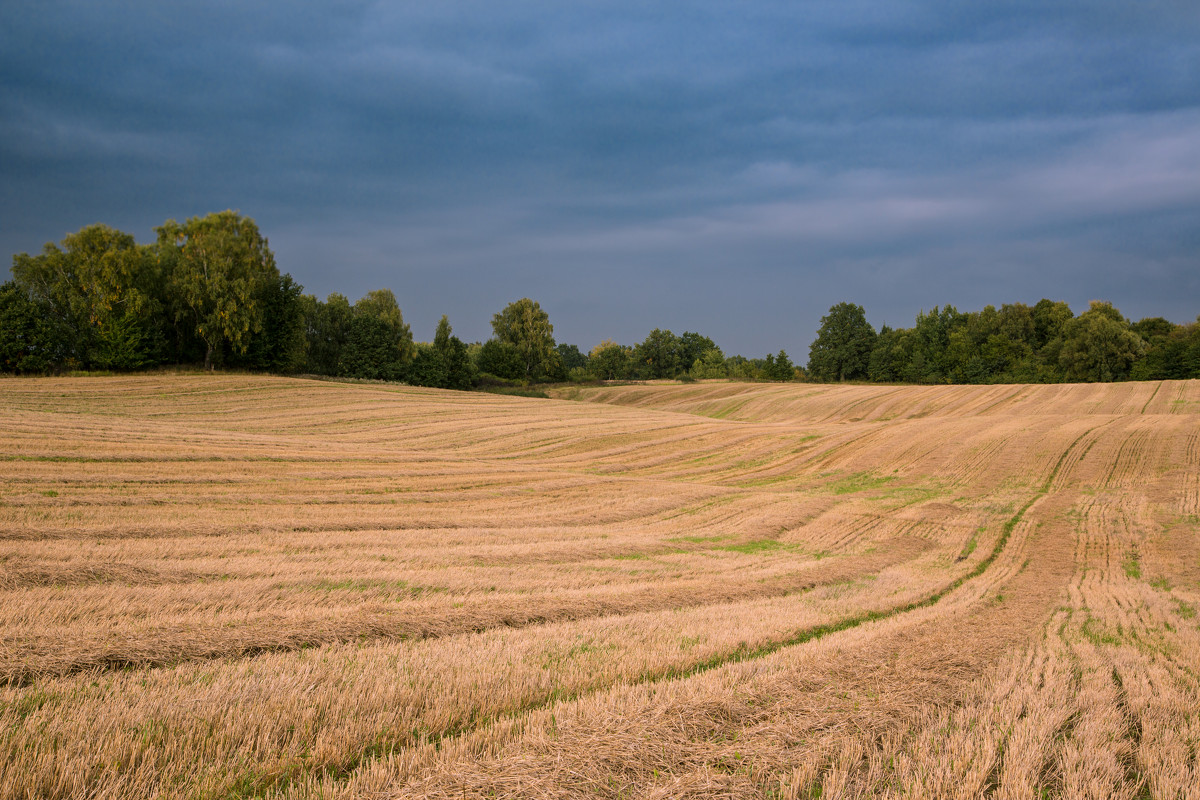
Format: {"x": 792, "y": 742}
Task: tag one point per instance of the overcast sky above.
{"x": 732, "y": 168}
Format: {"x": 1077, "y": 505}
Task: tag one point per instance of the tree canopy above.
{"x": 842, "y": 349}
{"x": 524, "y": 325}
{"x": 102, "y": 289}
{"x": 216, "y": 268}
{"x": 1099, "y": 345}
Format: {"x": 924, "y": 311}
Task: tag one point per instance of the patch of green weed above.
{"x": 756, "y": 546}
{"x": 860, "y": 482}
{"x": 1132, "y": 565}
{"x": 1185, "y": 610}
{"x": 30, "y": 702}
{"x": 720, "y": 537}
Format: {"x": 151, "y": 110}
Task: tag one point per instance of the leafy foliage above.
{"x": 571, "y": 357}
{"x": 1099, "y": 345}
{"x": 779, "y": 368}
{"x": 526, "y": 327}
{"x": 445, "y": 364}
{"x": 370, "y": 350}
{"x": 281, "y": 345}
{"x": 501, "y": 359}
{"x": 326, "y": 329}
{"x": 657, "y": 356}
{"x": 102, "y": 290}
{"x": 842, "y": 349}
{"x": 31, "y": 340}
{"x": 610, "y": 361}
{"x": 217, "y": 268}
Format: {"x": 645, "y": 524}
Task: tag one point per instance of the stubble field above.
{"x": 235, "y": 586}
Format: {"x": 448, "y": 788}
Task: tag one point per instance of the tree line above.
{"x": 1017, "y": 343}
{"x": 208, "y": 292}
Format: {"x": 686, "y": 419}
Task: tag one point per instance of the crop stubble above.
{"x": 237, "y": 586}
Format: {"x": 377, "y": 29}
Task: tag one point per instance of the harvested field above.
{"x": 238, "y": 586}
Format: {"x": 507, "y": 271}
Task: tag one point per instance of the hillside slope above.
{"x": 232, "y": 586}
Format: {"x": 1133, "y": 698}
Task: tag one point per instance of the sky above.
{"x": 731, "y": 168}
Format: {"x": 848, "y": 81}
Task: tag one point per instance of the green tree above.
{"x": 1050, "y": 319}
{"x": 524, "y": 325}
{"x": 1166, "y": 350}
{"x": 710, "y": 364}
{"x": 692, "y": 346}
{"x": 326, "y": 327}
{"x": 779, "y": 368}
{"x": 281, "y": 344}
{"x": 459, "y": 366}
{"x": 378, "y": 343}
{"x": 217, "y": 268}
{"x": 1190, "y": 352}
{"x": 381, "y": 304}
{"x": 31, "y": 338}
{"x": 369, "y": 350}
{"x": 1099, "y": 345}
{"x": 428, "y": 367}
{"x": 610, "y": 361}
{"x": 501, "y": 359}
{"x": 931, "y": 360}
{"x": 891, "y": 355}
{"x": 658, "y": 355}
{"x": 744, "y": 369}
{"x": 441, "y": 336}
{"x": 991, "y": 345}
{"x": 103, "y": 289}
{"x": 459, "y": 371}
{"x": 842, "y": 349}
{"x": 1013, "y": 344}
{"x": 571, "y": 357}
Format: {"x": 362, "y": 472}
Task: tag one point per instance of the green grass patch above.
{"x": 719, "y": 537}
{"x": 766, "y": 481}
{"x": 861, "y": 482}
{"x": 910, "y": 495}
{"x": 1132, "y": 565}
{"x": 754, "y": 463}
{"x": 725, "y": 411}
{"x": 970, "y": 546}
{"x": 251, "y": 785}
{"x": 1185, "y": 610}
{"x": 554, "y": 658}
{"x": 756, "y": 546}
{"x": 1098, "y": 634}
{"x": 30, "y": 702}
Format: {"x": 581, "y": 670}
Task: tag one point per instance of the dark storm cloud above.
{"x": 733, "y": 168}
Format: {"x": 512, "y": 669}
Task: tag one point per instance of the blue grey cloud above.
{"x": 732, "y": 168}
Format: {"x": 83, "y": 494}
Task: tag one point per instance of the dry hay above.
{"x": 233, "y": 586}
